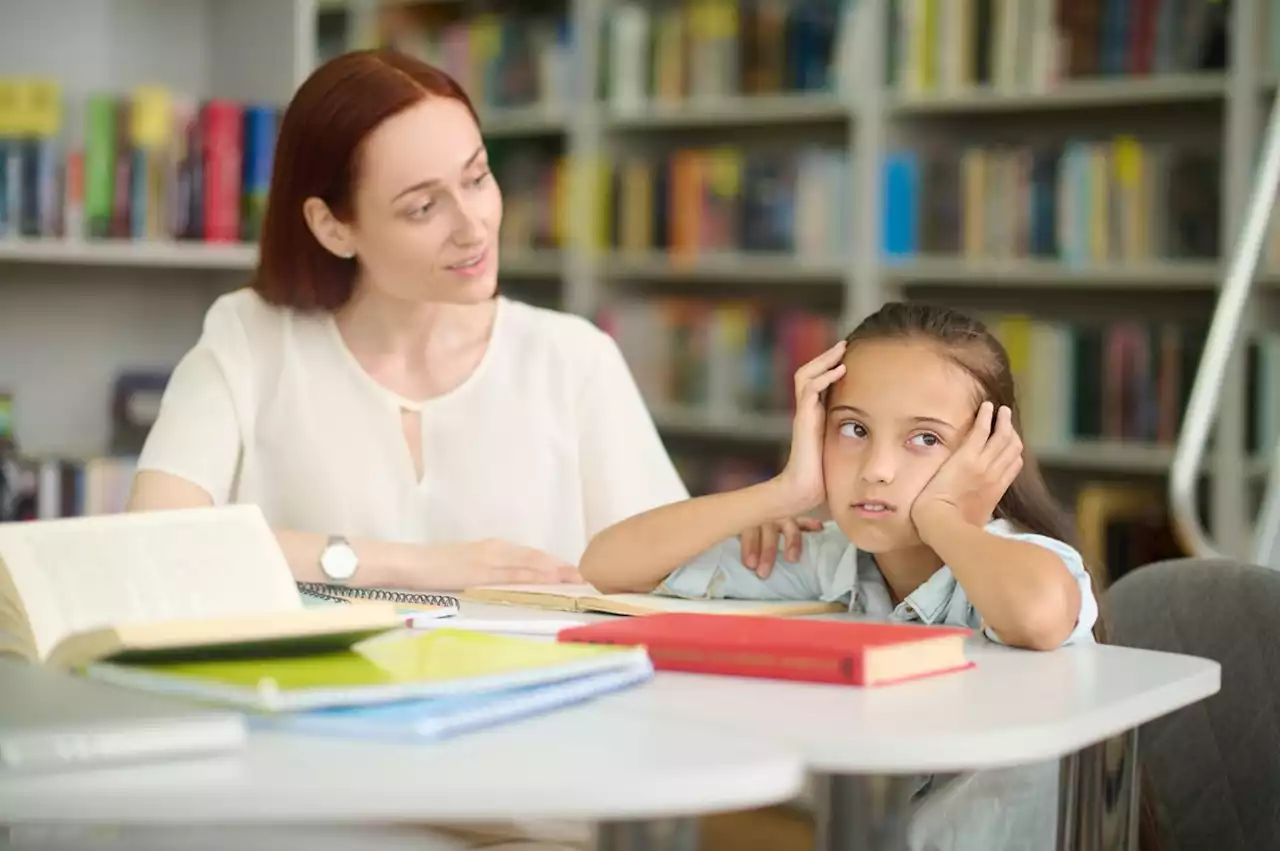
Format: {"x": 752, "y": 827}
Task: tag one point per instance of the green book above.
{"x": 393, "y": 666}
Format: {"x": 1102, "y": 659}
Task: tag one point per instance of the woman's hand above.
{"x": 974, "y": 480}
{"x": 760, "y": 544}
{"x": 494, "y": 562}
{"x": 801, "y": 480}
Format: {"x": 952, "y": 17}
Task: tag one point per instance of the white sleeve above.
{"x": 197, "y": 434}
{"x": 625, "y": 466}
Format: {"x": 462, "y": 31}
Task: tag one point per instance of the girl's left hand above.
{"x": 975, "y": 478}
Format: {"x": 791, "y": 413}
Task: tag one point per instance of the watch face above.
{"x": 339, "y": 561}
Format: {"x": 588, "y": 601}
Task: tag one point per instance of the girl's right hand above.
{"x": 802, "y": 478}
{"x": 457, "y": 566}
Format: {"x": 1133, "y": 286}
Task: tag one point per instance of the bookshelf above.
{"x": 896, "y": 105}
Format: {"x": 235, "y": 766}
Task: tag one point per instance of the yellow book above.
{"x": 204, "y": 581}
{"x": 400, "y": 666}
{"x": 585, "y": 598}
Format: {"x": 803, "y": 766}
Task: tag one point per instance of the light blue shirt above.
{"x": 831, "y": 569}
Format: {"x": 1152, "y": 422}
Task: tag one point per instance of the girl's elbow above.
{"x": 1046, "y": 625}
{"x": 601, "y": 573}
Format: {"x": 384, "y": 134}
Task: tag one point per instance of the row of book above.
{"x": 1122, "y": 381}
{"x": 517, "y": 58}
{"x": 153, "y": 164}
{"x": 696, "y": 200}
{"x": 724, "y": 357}
{"x": 47, "y": 488}
{"x": 667, "y": 52}
{"x": 1082, "y": 201}
{"x": 946, "y": 46}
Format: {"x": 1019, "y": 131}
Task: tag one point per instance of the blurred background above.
{"x": 726, "y": 187}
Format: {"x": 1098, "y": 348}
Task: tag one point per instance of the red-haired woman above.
{"x": 400, "y": 423}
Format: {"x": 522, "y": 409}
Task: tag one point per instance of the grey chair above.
{"x": 1214, "y": 767}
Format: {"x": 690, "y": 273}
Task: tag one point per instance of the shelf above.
{"x": 748, "y": 428}
{"x": 1082, "y": 94}
{"x": 736, "y": 267}
{"x": 537, "y": 120}
{"x": 514, "y": 262}
{"x": 1157, "y": 275}
{"x": 1085, "y": 456}
{"x": 746, "y": 111}
{"x": 160, "y": 255}
{"x": 207, "y": 256}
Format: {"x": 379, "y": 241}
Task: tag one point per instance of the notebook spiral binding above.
{"x": 343, "y": 594}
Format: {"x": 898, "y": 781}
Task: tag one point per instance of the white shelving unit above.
{"x": 73, "y": 314}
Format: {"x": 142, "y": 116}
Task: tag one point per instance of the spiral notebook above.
{"x": 406, "y": 600}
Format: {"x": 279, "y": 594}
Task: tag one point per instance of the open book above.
{"x": 204, "y": 581}
{"x": 585, "y": 598}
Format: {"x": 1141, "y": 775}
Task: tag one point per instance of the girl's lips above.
{"x": 874, "y": 509}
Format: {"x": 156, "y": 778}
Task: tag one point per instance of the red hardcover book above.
{"x": 856, "y": 653}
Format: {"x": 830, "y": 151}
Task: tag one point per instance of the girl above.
{"x": 908, "y": 430}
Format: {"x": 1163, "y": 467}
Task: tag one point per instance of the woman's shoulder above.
{"x": 246, "y": 308}
{"x": 557, "y": 332}
{"x": 242, "y": 318}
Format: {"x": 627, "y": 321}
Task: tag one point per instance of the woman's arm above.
{"x": 382, "y": 564}
{"x": 1024, "y": 591}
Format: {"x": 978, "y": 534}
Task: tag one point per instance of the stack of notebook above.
{"x": 401, "y": 685}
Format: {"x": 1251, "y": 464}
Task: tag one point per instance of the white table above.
{"x": 1014, "y": 708}
{"x": 620, "y": 769}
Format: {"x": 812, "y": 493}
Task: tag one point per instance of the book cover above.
{"x": 856, "y": 653}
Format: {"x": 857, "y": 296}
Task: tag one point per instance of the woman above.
{"x": 399, "y": 422}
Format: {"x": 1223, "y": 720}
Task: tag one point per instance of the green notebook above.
{"x": 397, "y": 666}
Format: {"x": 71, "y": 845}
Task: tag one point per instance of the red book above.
{"x": 855, "y": 653}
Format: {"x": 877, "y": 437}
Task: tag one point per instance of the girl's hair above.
{"x": 318, "y": 155}
{"x": 1027, "y": 504}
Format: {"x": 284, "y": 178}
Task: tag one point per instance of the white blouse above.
{"x": 547, "y": 442}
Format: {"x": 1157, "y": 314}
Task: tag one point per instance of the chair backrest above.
{"x": 1214, "y": 767}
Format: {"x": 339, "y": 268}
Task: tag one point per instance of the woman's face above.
{"x": 427, "y": 209}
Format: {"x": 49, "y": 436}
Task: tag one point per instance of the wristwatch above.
{"x": 338, "y": 561}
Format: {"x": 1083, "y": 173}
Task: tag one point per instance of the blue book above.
{"x": 433, "y": 719}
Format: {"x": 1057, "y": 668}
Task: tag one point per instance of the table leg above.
{"x": 1098, "y": 797}
{"x": 677, "y": 834}
{"x": 863, "y": 813}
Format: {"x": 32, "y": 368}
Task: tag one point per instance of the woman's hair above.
{"x": 1027, "y": 504}
{"x": 318, "y": 155}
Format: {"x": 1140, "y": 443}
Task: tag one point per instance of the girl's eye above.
{"x": 852, "y": 430}
{"x": 926, "y": 439}
{"x": 481, "y": 178}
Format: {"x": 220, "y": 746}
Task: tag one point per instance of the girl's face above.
{"x": 427, "y": 210}
{"x": 898, "y": 413}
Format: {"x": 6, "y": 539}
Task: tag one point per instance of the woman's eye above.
{"x": 421, "y": 210}
{"x": 481, "y": 178}
{"x": 926, "y": 440}
{"x": 852, "y": 430}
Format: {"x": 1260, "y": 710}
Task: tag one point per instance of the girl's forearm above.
{"x": 1023, "y": 591}
{"x": 636, "y": 554}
